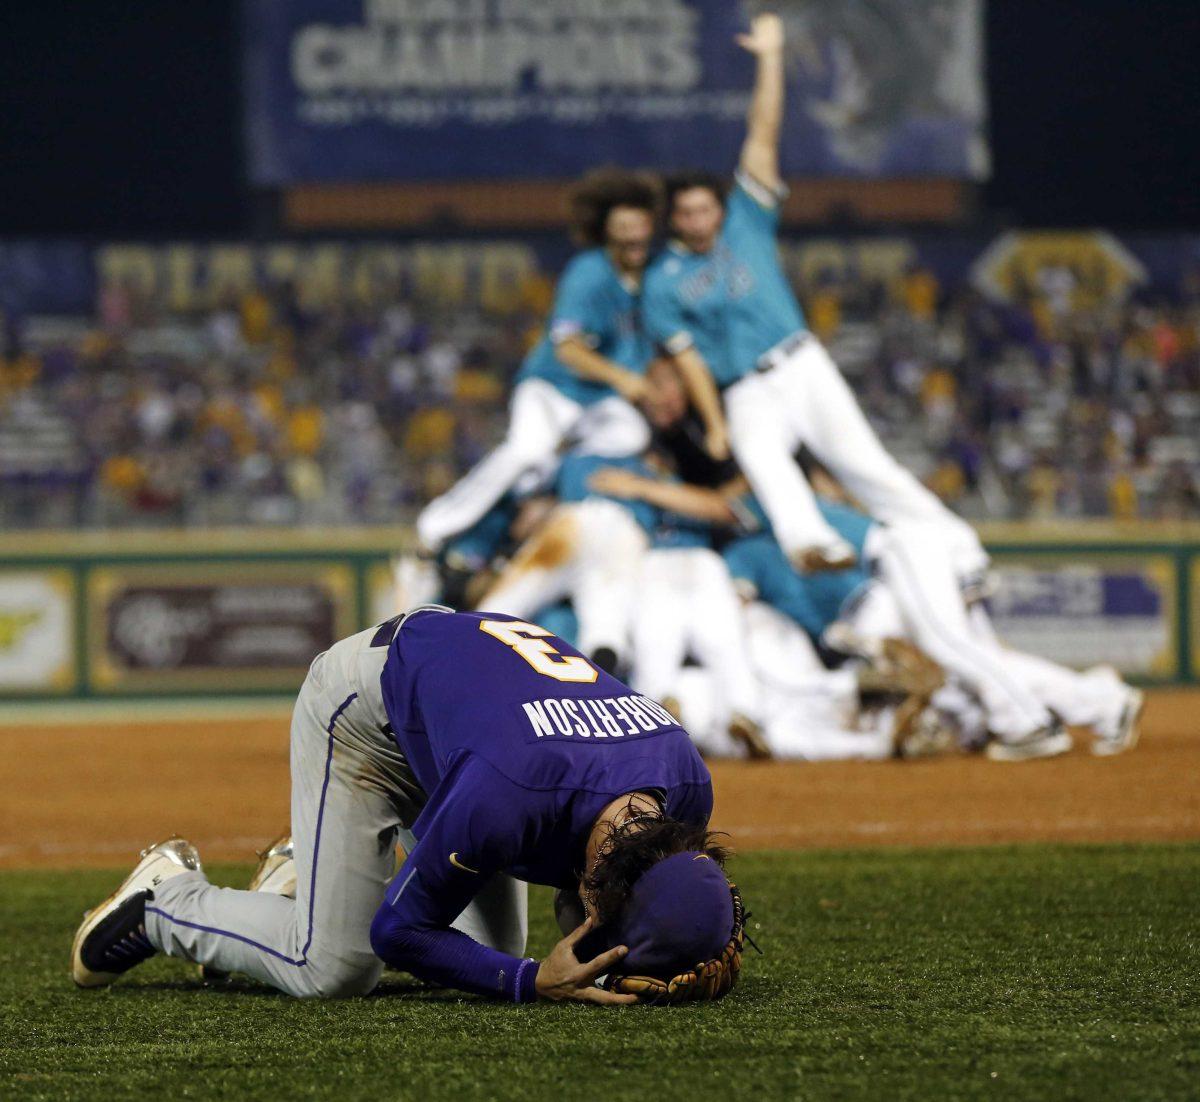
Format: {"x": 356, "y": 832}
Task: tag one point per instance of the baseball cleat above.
{"x": 276, "y": 874}
{"x": 838, "y": 555}
{"x": 112, "y": 938}
{"x": 1045, "y": 742}
{"x": 1125, "y": 735}
{"x": 747, "y": 733}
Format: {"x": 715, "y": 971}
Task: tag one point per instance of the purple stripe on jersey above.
{"x": 312, "y": 886}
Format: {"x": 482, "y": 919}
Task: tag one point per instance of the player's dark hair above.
{"x": 690, "y": 178}
{"x": 629, "y": 850}
{"x": 600, "y": 191}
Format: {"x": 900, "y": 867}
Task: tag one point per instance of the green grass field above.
{"x": 1049, "y": 972}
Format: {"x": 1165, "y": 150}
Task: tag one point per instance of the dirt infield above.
{"x": 92, "y": 792}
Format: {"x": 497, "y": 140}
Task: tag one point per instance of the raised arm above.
{"x": 760, "y": 152}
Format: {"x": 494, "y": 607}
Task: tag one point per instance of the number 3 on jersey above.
{"x": 529, "y": 641}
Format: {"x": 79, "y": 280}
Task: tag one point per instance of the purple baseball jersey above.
{"x": 520, "y": 742}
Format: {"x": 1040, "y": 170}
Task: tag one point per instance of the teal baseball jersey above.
{"x": 814, "y": 601}
{"x": 852, "y": 525}
{"x": 731, "y": 304}
{"x": 593, "y": 302}
{"x": 676, "y": 532}
{"x": 574, "y": 485}
{"x": 477, "y": 546}
{"x": 849, "y": 523}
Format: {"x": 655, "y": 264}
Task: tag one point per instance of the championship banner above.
{"x": 37, "y": 631}
{"x": 236, "y": 627}
{"x": 360, "y": 90}
{"x": 1091, "y": 608}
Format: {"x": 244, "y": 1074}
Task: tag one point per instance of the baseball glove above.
{"x": 707, "y": 982}
{"x": 899, "y": 668}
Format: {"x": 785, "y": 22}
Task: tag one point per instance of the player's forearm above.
{"x": 687, "y": 500}
{"x": 764, "y": 121}
{"x": 451, "y": 959}
{"x": 765, "y": 117}
{"x": 589, "y": 364}
{"x": 701, "y": 390}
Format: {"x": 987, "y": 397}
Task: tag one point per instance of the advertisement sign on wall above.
{"x": 247, "y": 627}
{"x": 1091, "y": 608}
{"x": 37, "y": 631}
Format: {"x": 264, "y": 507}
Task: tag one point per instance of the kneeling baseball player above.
{"x": 496, "y": 754}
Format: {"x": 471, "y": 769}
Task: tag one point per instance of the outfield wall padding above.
{"x": 123, "y": 615}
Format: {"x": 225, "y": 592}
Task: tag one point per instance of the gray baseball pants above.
{"x": 353, "y": 797}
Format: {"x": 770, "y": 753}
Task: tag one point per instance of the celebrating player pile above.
{"x": 636, "y": 550}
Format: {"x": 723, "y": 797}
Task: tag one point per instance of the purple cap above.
{"x": 679, "y": 914}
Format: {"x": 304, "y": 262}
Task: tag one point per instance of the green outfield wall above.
{"x": 121, "y": 615}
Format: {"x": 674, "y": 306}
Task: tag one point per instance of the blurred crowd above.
{"x": 267, "y": 410}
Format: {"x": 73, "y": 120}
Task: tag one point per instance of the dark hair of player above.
{"x": 632, "y": 848}
{"x": 600, "y": 191}
{"x": 690, "y": 178}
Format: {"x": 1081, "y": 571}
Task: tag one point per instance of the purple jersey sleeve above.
{"x": 478, "y": 822}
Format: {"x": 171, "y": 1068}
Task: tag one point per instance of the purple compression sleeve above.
{"x": 470, "y": 836}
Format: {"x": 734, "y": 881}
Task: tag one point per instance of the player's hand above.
{"x": 562, "y": 978}
{"x": 616, "y": 482}
{"x": 634, "y": 388}
{"x": 766, "y": 35}
{"x": 716, "y": 442}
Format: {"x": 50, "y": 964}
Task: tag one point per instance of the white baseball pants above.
{"x": 686, "y": 602}
{"x": 808, "y": 713}
{"x": 919, "y": 600}
{"x": 805, "y": 400}
{"x": 353, "y": 796}
{"x": 811, "y": 712}
{"x": 590, "y": 551}
{"x": 1095, "y": 698}
{"x": 541, "y": 419}
{"x": 916, "y": 567}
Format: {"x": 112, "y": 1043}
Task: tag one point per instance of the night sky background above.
{"x": 123, "y": 117}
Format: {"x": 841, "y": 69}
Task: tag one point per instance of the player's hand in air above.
{"x": 616, "y": 482}
{"x": 562, "y": 978}
{"x": 766, "y": 35}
